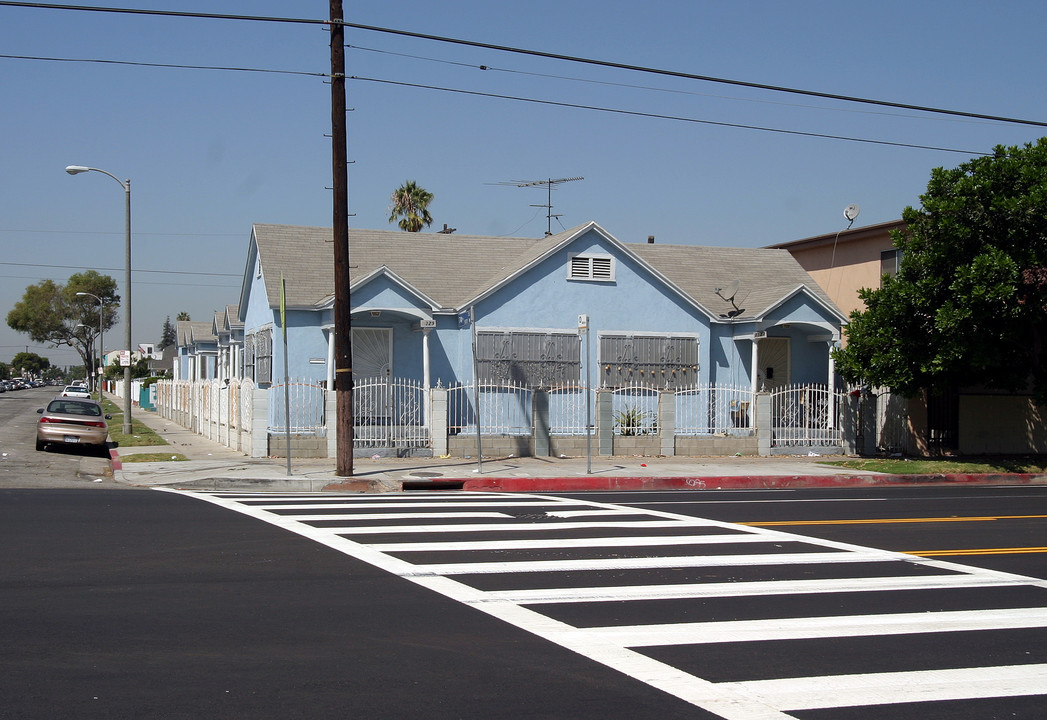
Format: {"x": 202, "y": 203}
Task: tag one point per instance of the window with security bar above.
{"x": 655, "y": 361}
{"x": 263, "y": 354}
{"x": 249, "y": 356}
{"x": 531, "y": 359}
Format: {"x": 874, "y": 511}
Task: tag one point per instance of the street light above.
{"x": 101, "y": 342}
{"x": 126, "y": 185}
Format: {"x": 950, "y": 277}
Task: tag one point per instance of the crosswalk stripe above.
{"x": 545, "y": 543}
{"x": 492, "y": 527}
{"x": 804, "y": 628}
{"x": 482, "y": 568}
{"x": 745, "y": 589}
{"x": 812, "y": 693}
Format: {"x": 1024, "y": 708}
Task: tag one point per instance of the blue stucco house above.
{"x": 657, "y": 314}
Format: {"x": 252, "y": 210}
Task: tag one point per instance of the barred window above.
{"x": 655, "y": 361}
{"x": 249, "y": 356}
{"x": 531, "y": 359}
{"x": 264, "y": 356}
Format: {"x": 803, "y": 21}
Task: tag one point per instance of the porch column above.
{"x": 755, "y": 372}
{"x": 330, "y": 360}
{"x": 832, "y": 386}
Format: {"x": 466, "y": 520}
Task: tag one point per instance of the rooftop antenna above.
{"x": 549, "y": 194}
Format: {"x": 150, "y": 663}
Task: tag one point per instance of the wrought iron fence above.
{"x": 504, "y": 409}
{"x": 714, "y": 410}
{"x": 306, "y": 400}
{"x": 571, "y": 408}
{"x": 806, "y": 415}
{"x": 635, "y": 410}
{"x": 390, "y": 412}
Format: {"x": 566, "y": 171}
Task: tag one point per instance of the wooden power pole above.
{"x": 343, "y": 351}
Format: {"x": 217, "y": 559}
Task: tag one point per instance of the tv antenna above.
{"x": 549, "y": 195}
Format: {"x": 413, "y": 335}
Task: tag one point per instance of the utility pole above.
{"x": 343, "y": 350}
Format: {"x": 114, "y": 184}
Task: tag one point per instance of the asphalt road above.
{"x": 21, "y": 465}
{"x": 469, "y": 605}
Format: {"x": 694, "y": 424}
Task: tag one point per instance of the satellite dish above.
{"x": 851, "y": 212}
{"x": 729, "y": 291}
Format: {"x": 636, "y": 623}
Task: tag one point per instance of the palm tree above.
{"x": 410, "y": 203}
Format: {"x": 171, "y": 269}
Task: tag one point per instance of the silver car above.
{"x": 68, "y": 420}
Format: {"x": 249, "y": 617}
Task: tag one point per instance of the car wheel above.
{"x": 41, "y": 445}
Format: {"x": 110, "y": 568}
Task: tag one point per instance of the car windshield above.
{"x": 69, "y": 407}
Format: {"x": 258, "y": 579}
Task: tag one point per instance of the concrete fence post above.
{"x": 667, "y": 422}
{"x": 605, "y": 421}
{"x": 260, "y": 424}
{"x": 540, "y": 423}
{"x": 438, "y": 420}
{"x": 764, "y": 424}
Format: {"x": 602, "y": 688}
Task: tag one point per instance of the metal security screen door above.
{"x": 372, "y": 352}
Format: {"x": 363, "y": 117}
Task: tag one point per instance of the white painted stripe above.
{"x": 722, "y": 701}
{"x": 644, "y": 562}
{"x": 820, "y": 627}
{"x": 620, "y": 541}
{"x": 833, "y": 691}
{"x": 350, "y": 517}
{"x": 353, "y": 505}
{"x": 744, "y": 589}
{"x": 502, "y": 527}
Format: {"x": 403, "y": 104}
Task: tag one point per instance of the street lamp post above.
{"x": 101, "y": 341}
{"x": 126, "y": 185}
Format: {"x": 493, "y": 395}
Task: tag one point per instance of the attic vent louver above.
{"x": 591, "y": 267}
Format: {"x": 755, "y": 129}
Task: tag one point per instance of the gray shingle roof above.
{"x": 453, "y": 269}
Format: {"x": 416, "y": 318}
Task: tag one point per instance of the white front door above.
{"x": 372, "y": 352}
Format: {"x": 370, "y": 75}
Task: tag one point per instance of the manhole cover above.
{"x": 425, "y": 474}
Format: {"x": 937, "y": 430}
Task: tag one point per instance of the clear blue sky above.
{"x": 211, "y": 152}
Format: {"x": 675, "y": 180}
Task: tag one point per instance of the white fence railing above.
{"x": 806, "y": 415}
{"x": 714, "y": 410}
{"x": 397, "y": 413}
{"x": 305, "y": 401}
{"x": 390, "y": 412}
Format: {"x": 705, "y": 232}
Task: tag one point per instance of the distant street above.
{"x": 455, "y": 605}
{"x": 21, "y": 465}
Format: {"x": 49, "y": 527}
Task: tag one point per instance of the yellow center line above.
{"x": 977, "y": 551}
{"x": 888, "y": 521}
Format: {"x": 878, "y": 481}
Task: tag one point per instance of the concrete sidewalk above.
{"x": 212, "y": 466}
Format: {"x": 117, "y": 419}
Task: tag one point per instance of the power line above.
{"x": 137, "y": 270}
{"x": 536, "y": 53}
{"x": 164, "y": 65}
{"x": 637, "y": 113}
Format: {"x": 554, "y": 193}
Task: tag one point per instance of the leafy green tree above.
{"x": 5, "y": 371}
{"x": 969, "y": 303}
{"x": 28, "y": 363}
{"x": 168, "y": 335}
{"x": 411, "y": 203}
{"x": 52, "y": 313}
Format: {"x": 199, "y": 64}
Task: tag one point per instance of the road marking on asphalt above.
{"x": 898, "y": 687}
{"x": 613, "y": 646}
{"x": 755, "y": 588}
{"x": 977, "y": 551}
{"x": 890, "y": 521}
{"x": 807, "y": 628}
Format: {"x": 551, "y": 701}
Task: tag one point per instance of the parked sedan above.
{"x": 76, "y": 391}
{"x": 72, "y": 420}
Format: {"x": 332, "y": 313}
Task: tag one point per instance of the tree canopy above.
{"x": 53, "y": 313}
{"x": 968, "y": 306}
{"x": 410, "y": 203}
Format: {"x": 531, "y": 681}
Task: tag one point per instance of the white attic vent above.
{"x": 591, "y": 267}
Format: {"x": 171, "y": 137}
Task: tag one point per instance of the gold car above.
{"x": 73, "y": 421}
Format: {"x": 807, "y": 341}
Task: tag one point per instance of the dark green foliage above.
{"x": 969, "y": 304}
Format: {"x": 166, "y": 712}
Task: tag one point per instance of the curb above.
{"x": 736, "y": 482}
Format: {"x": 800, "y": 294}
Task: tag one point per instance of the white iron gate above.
{"x": 389, "y": 412}
{"x": 806, "y": 416}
